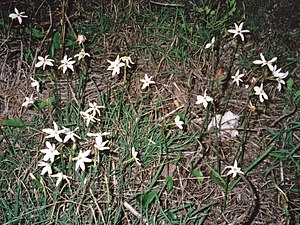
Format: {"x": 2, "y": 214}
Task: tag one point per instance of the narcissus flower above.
{"x": 44, "y": 62}
{"x": 127, "y": 60}
{"x": 35, "y": 83}
{"x": 82, "y": 54}
{"x": 100, "y": 145}
{"x": 261, "y": 93}
{"x": 88, "y": 117}
{"x": 70, "y": 134}
{"x": 50, "y": 152}
{"x": 54, "y": 133}
{"x": 178, "y": 122}
{"x": 147, "y": 81}
{"x": 265, "y": 62}
{"x": 237, "y": 78}
{"x": 205, "y": 99}
{"x": 60, "y": 177}
{"x": 94, "y": 108}
{"x": 210, "y": 44}
{"x": 82, "y": 159}
{"x": 234, "y": 170}
{"x": 46, "y": 168}
{"x": 18, "y": 15}
{"x": 135, "y": 156}
{"x": 238, "y": 31}
{"x": 115, "y": 66}
{"x": 28, "y": 100}
{"x": 66, "y": 63}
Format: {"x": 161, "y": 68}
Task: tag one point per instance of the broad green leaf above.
{"x": 169, "y": 183}
{"x": 199, "y": 175}
{"x": 13, "y": 123}
{"x": 55, "y": 44}
{"x": 34, "y": 32}
{"x": 290, "y": 83}
{"x": 148, "y": 198}
{"x": 217, "y": 177}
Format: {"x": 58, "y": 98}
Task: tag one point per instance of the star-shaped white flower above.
{"x": 82, "y": 159}
{"x": 88, "y": 117}
{"x": 234, "y": 170}
{"x": 261, "y": 93}
{"x": 127, "y": 60}
{"x": 44, "y": 62}
{"x": 18, "y": 15}
{"x": 178, "y": 122}
{"x": 211, "y": 43}
{"x": 35, "y": 83}
{"x": 50, "y": 152}
{"x": 82, "y": 54}
{"x": 94, "y": 108}
{"x": 135, "y": 156}
{"x": 47, "y": 167}
{"x": 60, "y": 177}
{"x": 28, "y": 100}
{"x": 115, "y": 66}
{"x": 70, "y": 134}
{"x": 54, "y": 133}
{"x": 238, "y": 31}
{"x": 147, "y": 81}
{"x": 100, "y": 145}
{"x": 264, "y": 62}
{"x": 66, "y": 63}
{"x": 279, "y": 76}
{"x": 205, "y": 99}
{"x": 237, "y": 78}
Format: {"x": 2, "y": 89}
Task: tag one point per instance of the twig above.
{"x": 167, "y": 4}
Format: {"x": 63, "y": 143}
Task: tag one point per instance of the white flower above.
{"x": 115, "y": 66}
{"x": 50, "y": 152}
{"x": 238, "y": 31}
{"x": 60, "y": 177}
{"x": 81, "y": 159}
{"x": 46, "y": 169}
{"x": 82, "y": 54}
{"x": 17, "y": 15}
{"x": 134, "y": 155}
{"x": 35, "y": 83}
{"x": 147, "y": 81}
{"x": 264, "y": 62}
{"x": 94, "y": 108}
{"x": 88, "y": 117}
{"x": 127, "y": 61}
{"x": 70, "y": 134}
{"x": 100, "y": 145}
{"x": 234, "y": 170}
{"x": 44, "y": 62}
{"x": 260, "y": 91}
{"x": 210, "y": 44}
{"x": 204, "y": 99}
{"x": 28, "y": 101}
{"x": 178, "y": 122}
{"x": 80, "y": 39}
{"x": 237, "y": 77}
{"x": 66, "y": 63}
{"x": 279, "y": 76}
{"x": 227, "y": 124}
{"x": 54, "y": 132}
